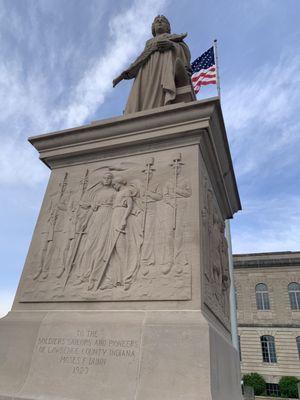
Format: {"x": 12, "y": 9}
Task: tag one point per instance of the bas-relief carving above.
{"x": 116, "y": 233}
{"x": 216, "y": 264}
{"x": 57, "y": 233}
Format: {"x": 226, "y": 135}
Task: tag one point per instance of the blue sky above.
{"x": 58, "y": 58}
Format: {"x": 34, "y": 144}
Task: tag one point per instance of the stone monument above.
{"x": 125, "y": 289}
{"x": 162, "y": 72}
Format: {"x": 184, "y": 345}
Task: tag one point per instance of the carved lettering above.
{"x": 90, "y": 350}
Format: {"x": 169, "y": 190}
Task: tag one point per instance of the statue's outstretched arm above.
{"x": 133, "y": 69}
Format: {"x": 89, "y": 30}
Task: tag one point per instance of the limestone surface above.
{"x": 125, "y": 289}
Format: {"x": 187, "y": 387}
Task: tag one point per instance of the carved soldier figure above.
{"x": 225, "y": 267}
{"x": 207, "y": 217}
{"x": 163, "y": 66}
{"x": 220, "y": 266}
{"x": 81, "y": 217}
{"x": 148, "y": 194}
{"x": 57, "y": 242}
{"x": 175, "y": 193}
{"x": 216, "y": 270}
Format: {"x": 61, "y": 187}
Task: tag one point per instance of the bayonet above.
{"x": 149, "y": 168}
{"x": 175, "y": 164}
{"x": 84, "y": 183}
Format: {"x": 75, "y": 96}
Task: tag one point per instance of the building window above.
{"x": 268, "y": 349}
{"x": 262, "y": 297}
{"x": 294, "y": 294}
{"x": 273, "y": 389}
{"x": 298, "y": 345}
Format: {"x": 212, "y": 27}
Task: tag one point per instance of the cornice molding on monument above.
{"x": 184, "y": 124}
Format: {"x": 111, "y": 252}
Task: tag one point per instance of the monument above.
{"x": 125, "y": 289}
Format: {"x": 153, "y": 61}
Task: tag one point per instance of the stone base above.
{"x": 185, "y": 94}
{"x": 161, "y": 334}
{"x": 161, "y": 355}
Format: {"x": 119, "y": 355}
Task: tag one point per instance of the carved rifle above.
{"x": 176, "y": 163}
{"x": 84, "y": 183}
{"x": 148, "y": 170}
{"x": 52, "y": 220}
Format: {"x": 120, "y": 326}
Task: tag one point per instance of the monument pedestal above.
{"x": 125, "y": 290}
{"x": 120, "y": 354}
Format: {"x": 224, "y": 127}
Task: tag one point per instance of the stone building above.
{"x": 268, "y": 306}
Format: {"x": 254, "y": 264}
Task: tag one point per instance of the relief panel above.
{"x": 116, "y": 231}
{"x": 216, "y": 277}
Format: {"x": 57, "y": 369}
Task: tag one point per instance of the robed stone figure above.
{"x": 163, "y": 66}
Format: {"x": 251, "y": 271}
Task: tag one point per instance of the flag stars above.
{"x": 204, "y": 70}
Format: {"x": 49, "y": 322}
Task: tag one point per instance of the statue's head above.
{"x": 160, "y": 25}
{"x": 107, "y": 179}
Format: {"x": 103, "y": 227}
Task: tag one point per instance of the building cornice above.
{"x": 279, "y": 326}
{"x": 267, "y": 262}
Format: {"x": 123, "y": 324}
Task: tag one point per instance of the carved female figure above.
{"x": 97, "y": 226}
{"x": 163, "y": 66}
{"x": 123, "y": 241}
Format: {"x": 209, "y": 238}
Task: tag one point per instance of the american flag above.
{"x": 204, "y": 70}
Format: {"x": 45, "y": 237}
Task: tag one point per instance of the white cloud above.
{"x": 261, "y": 113}
{"x": 19, "y": 163}
{"x": 6, "y": 300}
{"x": 127, "y": 32}
{"x": 28, "y": 107}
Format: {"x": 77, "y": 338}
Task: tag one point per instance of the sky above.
{"x": 59, "y": 57}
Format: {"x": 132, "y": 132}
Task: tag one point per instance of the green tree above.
{"x": 256, "y": 381}
{"x": 288, "y": 387}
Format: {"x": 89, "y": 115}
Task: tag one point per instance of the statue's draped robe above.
{"x": 154, "y": 84}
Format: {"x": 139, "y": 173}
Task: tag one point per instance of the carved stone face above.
{"x": 160, "y": 25}
{"x": 107, "y": 179}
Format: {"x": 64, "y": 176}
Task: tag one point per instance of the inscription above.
{"x": 87, "y": 349}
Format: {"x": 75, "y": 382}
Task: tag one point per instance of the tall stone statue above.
{"x": 162, "y": 68}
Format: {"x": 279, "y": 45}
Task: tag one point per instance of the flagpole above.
{"x": 217, "y": 67}
{"x": 233, "y": 308}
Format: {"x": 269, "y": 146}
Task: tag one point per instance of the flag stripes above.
{"x": 204, "y": 70}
